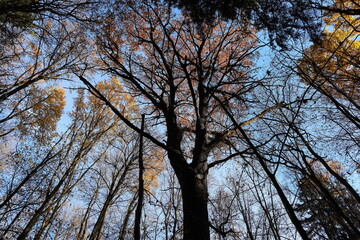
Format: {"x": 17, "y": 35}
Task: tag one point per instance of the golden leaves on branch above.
{"x": 47, "y": 108}
{"x": 154, "y": 163}
{"x": 34, "y": 112}
{"x": 333, "y": 64}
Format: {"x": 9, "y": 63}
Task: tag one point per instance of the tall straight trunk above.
{"x": 47, "y": 201}
{"x": 96, "y": 232}
{"x": 338, "y": 177}
{"x": 196, "y": 218}
{"x": 129, "y": 212}
{"x": 84, "y": 221}
{"x": 141, "y": 184}
{"x": 195, "y": 212}
{"x": 116, "y": 185}
{"x": 37, "y": 214}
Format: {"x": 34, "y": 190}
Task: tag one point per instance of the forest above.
{"x": 180, "y": 119}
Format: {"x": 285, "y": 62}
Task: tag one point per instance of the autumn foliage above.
{"x": 141, "y": 120}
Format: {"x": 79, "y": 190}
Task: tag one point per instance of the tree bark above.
{"x": 193, "y": 183}
{"x": 195, "y": 198}
{"x": 141, "y": 184}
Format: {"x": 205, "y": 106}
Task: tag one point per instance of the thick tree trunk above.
{"x": 195, "y": 197}
{"x": 192, "y": 176}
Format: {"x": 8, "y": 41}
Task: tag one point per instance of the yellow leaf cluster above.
{"x": 92, "y": 110}
{"x": 154, "y": 164}
{"x": 49, "y": 110}
{"x": 332, "y": 64}
{"x": 113, "y": 90}
{"x": 38, "y": 111}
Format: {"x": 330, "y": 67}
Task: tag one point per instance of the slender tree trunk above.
{"x": 48, "y": 221}
{"x": 96, "y": 232}
{"x": 141, "y": 184}
{"x": 47, "y": 201}
{"x": 342, "y": 180}
{"x": 113, "y": 191}
{"x": 129, "y": 211}
{"x": 286, "y": 203}
{"x": 23, "y": 235}
{"x": 27, "y": 178}
{"x": 84, "y": 221}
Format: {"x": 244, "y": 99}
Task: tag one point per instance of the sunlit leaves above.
{"x": 333, "y": 64}
{"x": 154, "y": 165}
{"x": 34, "y": 112}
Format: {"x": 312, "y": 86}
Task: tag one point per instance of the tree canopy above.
{"x": 179, "y": 119}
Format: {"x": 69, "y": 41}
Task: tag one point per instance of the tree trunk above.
{"x": 138, "y": 210}
{"x": 96, "y": 232}
{"x": 195, "y": 197}
{"x": 125, "y": 224}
